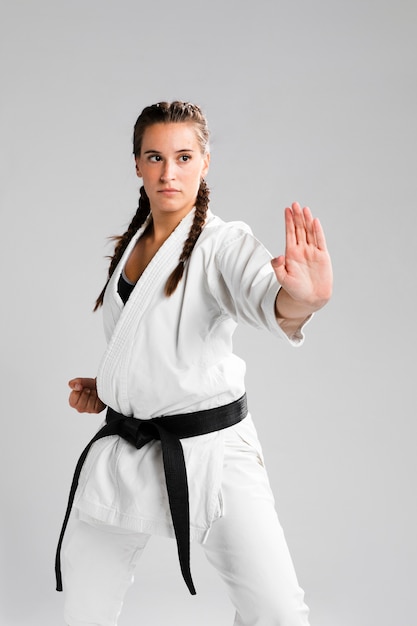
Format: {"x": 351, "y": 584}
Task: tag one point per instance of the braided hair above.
{"x": 165, "y": 113}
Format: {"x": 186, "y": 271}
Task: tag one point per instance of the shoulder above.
{"x": 223, "y": 245}
{"x": 217, "y": 233}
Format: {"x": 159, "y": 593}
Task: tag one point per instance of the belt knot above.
{"x": 138, "y": 432}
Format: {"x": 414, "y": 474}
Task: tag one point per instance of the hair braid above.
{"x": 122, "y": 241}
{"x": 201, "y": 206}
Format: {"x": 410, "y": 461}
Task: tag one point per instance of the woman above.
{"x": 178, "y": 454}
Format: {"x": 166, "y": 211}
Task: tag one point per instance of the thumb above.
{"x": 78, "y": 384}
{"x": 279, "y": 267}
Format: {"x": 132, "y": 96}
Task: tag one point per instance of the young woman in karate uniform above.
{"x": 179, "y": 282}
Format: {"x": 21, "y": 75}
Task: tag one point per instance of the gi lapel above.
{"x": 121, "y": 321}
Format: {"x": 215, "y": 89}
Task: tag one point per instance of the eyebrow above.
{"x": 177, "y": 151}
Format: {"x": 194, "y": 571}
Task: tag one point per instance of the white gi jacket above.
{"x": 174, "y": 355}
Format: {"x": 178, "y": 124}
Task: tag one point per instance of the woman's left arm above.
{"x": 304, "y": 272}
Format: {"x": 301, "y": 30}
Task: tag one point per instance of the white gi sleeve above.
{"x": 246, "y": 285}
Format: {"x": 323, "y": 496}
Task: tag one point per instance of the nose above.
{"x": 167, "y": 172}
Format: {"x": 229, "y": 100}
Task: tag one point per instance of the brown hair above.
{"x": 165, "y": 113}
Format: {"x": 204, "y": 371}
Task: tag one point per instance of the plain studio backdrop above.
{"x": 308, "y": 101}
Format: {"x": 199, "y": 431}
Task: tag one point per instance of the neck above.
{"x": 164, "y": 224}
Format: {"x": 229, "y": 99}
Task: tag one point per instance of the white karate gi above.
{"x": 174, "y": 355}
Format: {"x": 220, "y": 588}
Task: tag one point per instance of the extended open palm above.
{"x": 305, "y": 271}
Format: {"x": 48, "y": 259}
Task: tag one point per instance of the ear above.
{"x": 206, "y": 164}
{"x": 138, "y": 170}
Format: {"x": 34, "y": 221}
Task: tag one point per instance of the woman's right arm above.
{"x": 83, "y": 396}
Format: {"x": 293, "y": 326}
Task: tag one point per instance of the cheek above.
{"x": 198, "y": 174}
{"x": 150, "y": 176}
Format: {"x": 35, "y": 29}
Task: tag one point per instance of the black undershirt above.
{"x": 124, "y": 288}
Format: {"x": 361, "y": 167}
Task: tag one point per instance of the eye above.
{"x": 185, "y": 157}
{"x": 154, "y": 158}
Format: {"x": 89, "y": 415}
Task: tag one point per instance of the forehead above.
{"x": 172, "y": 136}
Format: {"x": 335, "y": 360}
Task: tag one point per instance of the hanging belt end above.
{"x": 189, "y": 582}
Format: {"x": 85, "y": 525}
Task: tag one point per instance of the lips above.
{"x": 169, "y": 190}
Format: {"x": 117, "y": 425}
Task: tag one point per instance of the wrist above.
{"x": 287, "y": 307}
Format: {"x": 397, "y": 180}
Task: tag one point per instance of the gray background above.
{"x": 309, "y": 101}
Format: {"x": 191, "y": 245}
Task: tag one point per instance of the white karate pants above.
{"x": 246, "y": 546}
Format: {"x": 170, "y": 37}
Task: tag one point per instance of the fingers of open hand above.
{"x": 290, "y": 235}
{"x": 302, "y": 228}
{"x": 310, "y": 231}
{"x": 319, "y": 234}
{"x": 295, "y": 226}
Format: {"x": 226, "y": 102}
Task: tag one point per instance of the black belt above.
{"x": 169, "y": 430}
